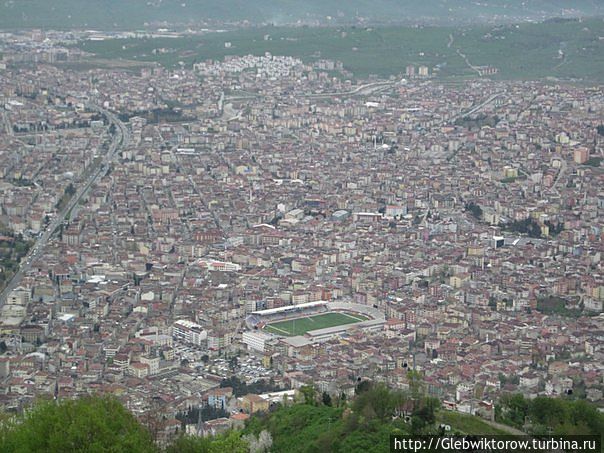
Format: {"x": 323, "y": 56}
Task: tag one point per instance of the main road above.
{"x": 362, "y": 90}
{"x": 472, "y": 110}
{"x": 121, "y": 138}
{"x": 478, "y": 107}
{"x": 6, "y": 123}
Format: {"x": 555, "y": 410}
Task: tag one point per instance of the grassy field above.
{"x": 468, "y": 424}
{"x": 564, "y": 49}
{"x": 302, "y": 325}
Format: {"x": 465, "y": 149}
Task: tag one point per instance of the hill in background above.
{"x": 120, "y": 14}
{"x": 558, "y": 48}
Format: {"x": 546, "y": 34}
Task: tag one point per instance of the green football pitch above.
{"x": 300, "y": 326}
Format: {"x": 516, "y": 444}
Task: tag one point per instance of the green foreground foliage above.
{"x": 322, "y": 424}
{"x": 92, "y": 424}
{"x": 551, "y": 416}
{"x": 96, "y": 424}
{"x": 231, "y": 442}
{"x": 318, "y": 423}
{"x": 468, "y": 424}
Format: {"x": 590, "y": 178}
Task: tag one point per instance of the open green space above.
{"x": 563, "y": 49}
{"x": 300, "y": 326}
{"x": 554, "y": 305}
{"x": 468, "y": 424}
{"x": 316, "y": 422}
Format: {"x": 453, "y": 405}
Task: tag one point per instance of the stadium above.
{"x": 316, "y": 320}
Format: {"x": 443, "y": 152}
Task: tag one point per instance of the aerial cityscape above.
{"x": 301, "y": 214}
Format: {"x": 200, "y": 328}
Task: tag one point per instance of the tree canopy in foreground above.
{"x": 92, "y": 424}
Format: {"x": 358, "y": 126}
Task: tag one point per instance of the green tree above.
{"x": 547, "y": 411}
{"x": 92, "y": 424}
{"x": 513, "y": 410}
{"x": 231, "y": 442}
{"x": 583, "y": 413}
{"x": 527, "y": 226}
{"x": 474, "y": 209}
{"x": 423, "y": 416}
{"x": 190, "y": 444}
{"x": 309, "y": 393}
{"x": 343, "y": 398}
{"x": 233, "y": 362}
{"x": 378, "y": 402}
{"x": 416, "y": 384}
{"x": 362, "y": 386}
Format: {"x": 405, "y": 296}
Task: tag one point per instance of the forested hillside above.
{"x": 135, "y": 13}
{"x": 318, "y": 422}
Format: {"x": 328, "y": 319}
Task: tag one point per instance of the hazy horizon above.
{"x": 115, "y": 14}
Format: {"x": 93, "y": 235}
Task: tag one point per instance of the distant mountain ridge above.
{"x": 128, "y": 14}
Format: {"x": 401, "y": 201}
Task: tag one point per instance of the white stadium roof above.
{"x": 271, "y": 311}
